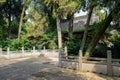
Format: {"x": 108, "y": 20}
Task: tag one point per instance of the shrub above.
{"x": 47, "y": 40}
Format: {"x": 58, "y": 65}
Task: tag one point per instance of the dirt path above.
{"x": 42, "y": 69}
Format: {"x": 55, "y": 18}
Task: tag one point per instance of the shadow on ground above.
{"x": 35, "y": 69}
{"x": 42, "y": 69}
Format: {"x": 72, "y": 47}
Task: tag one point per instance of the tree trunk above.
{"x": 59, "y": 30}
{"x": 70, "y": 28}
{"x": 97, "y": 37}
{"x": 86, "y": 29}
{"x": 9, "y": 26}
{"x": 9, "y": 21}
{"x": 104, "y": 26}
{"x": 21, "y": 20}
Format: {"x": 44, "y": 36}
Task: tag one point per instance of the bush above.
{"x": 73, "y": 45}
{"x": 100, "y": 51}
{"x": 48, "y": 40}
{"x": 16, "y": 44}
{"x": 115, "y": 39}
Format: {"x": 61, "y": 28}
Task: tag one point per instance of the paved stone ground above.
{"x": 39, "y": 69}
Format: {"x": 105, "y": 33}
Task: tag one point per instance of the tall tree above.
{"x": 21, "y": 18}
{"x": 38, "y": 22}
{"x": 70, "y": 14}
{"x": 104, "y": 25}
{"x": 11, "y": 10}
{"x": 86, "y": 28}
{"x": 70, "y": 17}
{"x": 59, "y": 29}
{"x": 90, "y": 4}
{"x": 9, "y": 18}
{"x": 62, "y": 7}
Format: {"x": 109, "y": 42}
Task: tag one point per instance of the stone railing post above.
{"x": 44, "y": 49}
{"x": 80, "y": 61}
{"x": 65, "y": 51}
{"x": 60, "y": 57}
{"x": 0, "y": 51}
{"x": 23, "y": 51}
{"x": 109, "y": 63}
{"x": 8, "y": 52}
{"x": 33, "y": 49}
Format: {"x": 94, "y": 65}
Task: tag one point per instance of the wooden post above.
{"x": 80, "y": 60}
{"x": 8, "y": 52}
{"x": 22, "y": 51}
{"x": 60, "y": 58}
{"x": 109, "y": 63}
{"x": 33, "y": 49}
{"x": 66, "y": 53}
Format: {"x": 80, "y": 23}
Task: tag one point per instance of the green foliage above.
{"x": 100, "y": 51}
{"x": 42, "y": 24}
{"x": 64, "y": 6}
{"x": 52, "y": 24}
{"x": 73, "y": 45}
{"x": 48, "y": 40}
{"x": 10, "y": 12}
{"x": 101, "y": 15}
{"x": 75, "y": 29}
{"x": 37, "y": 24}
{"x": 15, "y": 26}
{"x": 115, "y": 39}
{"x": 3, "y": 27}
{"x": 16, "y": 44}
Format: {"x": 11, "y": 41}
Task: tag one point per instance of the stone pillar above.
{"x": 23, "y": 51}
{"x": 0, "y": 51}
{"x": 66, "y": 52}
{"x": 80, "y": 61}
{"x": 33, "y": 49}
{"x": 60, "y": 58}
{"x": 8, "y": 52}
{"x": 109, "y": 63}
{"x": 44, "y": 49}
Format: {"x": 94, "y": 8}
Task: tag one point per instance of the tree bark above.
{"x": 104, "y": 25}
{"x": 9, "y": 21}
{"x": 59, "y": 30}
{"x": 70, "y": 28}
{"x": 21, "y": 20}
{"x": 9, "y": 26}
{"x": 86, "y": 28}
